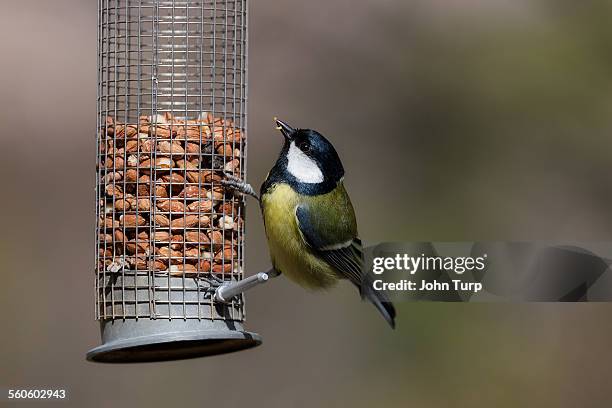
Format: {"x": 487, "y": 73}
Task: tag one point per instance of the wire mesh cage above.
{"x": 172, "y": 92}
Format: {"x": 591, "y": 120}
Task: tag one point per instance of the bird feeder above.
{"x": 172, "y": 93}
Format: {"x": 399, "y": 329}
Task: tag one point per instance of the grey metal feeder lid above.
{"x": 151, "y": 340}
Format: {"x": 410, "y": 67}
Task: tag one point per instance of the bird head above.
{"x": 308, "y": 158}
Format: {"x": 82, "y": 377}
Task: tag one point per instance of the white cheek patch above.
{"x": 303, "y": 167}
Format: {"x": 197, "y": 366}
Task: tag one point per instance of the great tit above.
{"x": 309, "y": 219}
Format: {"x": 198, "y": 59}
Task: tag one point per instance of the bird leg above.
{"x": 235, "y": 183}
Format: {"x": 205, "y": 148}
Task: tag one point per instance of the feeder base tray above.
{"x": 145, "y": 340}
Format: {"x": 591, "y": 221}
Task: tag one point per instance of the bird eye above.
{"x": 305, "y": 147}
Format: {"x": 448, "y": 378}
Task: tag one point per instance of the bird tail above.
{"x": 379, "y": 300}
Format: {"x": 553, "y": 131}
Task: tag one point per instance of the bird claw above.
{"x": 230, "y": 177}
{"x": 239, "y": 185}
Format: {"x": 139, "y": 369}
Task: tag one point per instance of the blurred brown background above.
{"x": 456, "y": 119}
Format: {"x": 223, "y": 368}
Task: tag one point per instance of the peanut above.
{"x": 173, "y": 178}
{"x": 119, "y": 237}
{"x": 196, "y": 237}
{"x": 160, "y": 236}
{"x": 176, "y": 242}
{"x": 131, "y": 175}
{"x": 131, "y": 146}
{"x": 186, "y": 165}
{"x": 144, "y": 204}
{"x": 180, "y": 270}
{"x": 225, "y": 150}
{"x": 172, "y": 148}
{"x": 215, "y": 237}
{"x": 124, "y": 204}
{"x": 233, "y": 166}
{"x": 174, "y": 206}
{"x": 188, "y": 221}
{"x": 192, "y": 148}
{"x": 202, "y": 206}
{"x": 132, "y": 220}
{"x": 205, "y": 266}
{"x": 192, "y": 192}
{"x": 192, "y": 253}
{"x": 161, "y": 220}
{"x": 216, "y": 194}
{"x": 222, "y": 268}
{"x": 134, "y": 247}
{"x": 228, "y": 254}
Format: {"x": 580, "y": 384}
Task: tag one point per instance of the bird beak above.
{"x": 285, "y": 129}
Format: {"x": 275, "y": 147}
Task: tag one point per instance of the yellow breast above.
{"x": 289, "y": 254}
